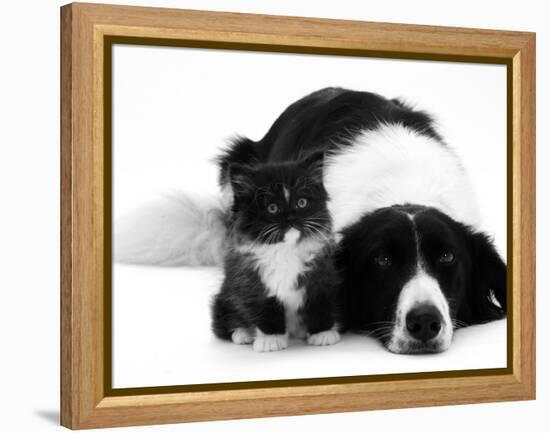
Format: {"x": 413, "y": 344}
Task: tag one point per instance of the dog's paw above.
{"x": 324, "y": 338}
{"x": 270, "y": 343}
{"x": 242, "y": 336}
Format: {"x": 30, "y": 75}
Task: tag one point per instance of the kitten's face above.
{"x": 270, "y": 200}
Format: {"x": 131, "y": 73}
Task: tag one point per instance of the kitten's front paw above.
{"x": 270, "y": 343}
{"x": 242, "y": 336}
{"x": 324, "y": 338}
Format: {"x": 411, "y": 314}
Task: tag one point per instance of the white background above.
{"x": 174, "y": 108}
{"x": 29, "y": 169}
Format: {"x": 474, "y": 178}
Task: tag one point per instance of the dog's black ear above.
{"x": 487, "y": 297}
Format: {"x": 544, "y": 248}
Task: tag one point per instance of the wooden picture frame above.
{"x": 88, "y": 32}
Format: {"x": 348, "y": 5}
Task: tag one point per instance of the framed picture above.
{"x": 267, "y": 215}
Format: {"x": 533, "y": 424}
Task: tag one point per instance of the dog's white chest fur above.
{"x": 280, "y": 265}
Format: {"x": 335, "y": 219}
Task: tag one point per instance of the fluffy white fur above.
{"x": 177, "y": 229}
{"x": 396, "y": 165}
{"x": 420, "y": 289}
{"x": 280, "y": 264}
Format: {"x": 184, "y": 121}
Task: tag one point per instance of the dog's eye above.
{"x": 383, "y": 260}
{"x": 447, "y": 258}
{"x": 272, "y": 208}
{"x": 301, "y": 203}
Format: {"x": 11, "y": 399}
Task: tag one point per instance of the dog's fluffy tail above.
{"x": 175, "y": 230}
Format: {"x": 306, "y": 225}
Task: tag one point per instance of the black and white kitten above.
{"x": 280, "y": 280}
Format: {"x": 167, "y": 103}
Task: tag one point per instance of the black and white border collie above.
{"x": 415, "y": 266}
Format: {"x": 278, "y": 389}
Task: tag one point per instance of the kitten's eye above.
{"x": 383, "y": 260}
{"x": 446, "y": 258}
{"x": 301, "y": 203}
{"x": 272, "y": 208}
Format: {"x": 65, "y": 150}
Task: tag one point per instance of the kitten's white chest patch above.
{"x": 280, "y": 265}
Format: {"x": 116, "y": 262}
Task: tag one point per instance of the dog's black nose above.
{"x": 424, "y": 322}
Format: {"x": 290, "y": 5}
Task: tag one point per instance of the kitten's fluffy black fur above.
{"x": 279, "y": 273}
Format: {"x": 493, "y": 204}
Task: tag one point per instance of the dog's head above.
{"x": 412, "y": 275}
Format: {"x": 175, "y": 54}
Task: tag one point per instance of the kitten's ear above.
{"x": 314, "y": 164}
{"x": 241, "y": 178}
